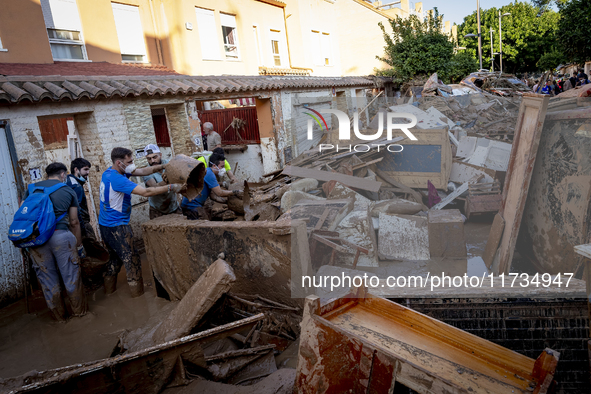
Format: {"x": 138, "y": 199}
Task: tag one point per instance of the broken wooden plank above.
{"x": 339, "y": 338}
{"x": 528, "y": 130}
{"x": 312, "y": 210}
{"x": 455, "y": 194}
{"x": 417, "y": 197}
{"x": 144, "y": 371}
{"x": 348, "y": 180}
{"x": 358, "y": 166}
{"x": 494, "y": 237}
{"x": 584, "y": 250}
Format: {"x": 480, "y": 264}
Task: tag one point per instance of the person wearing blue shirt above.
{"x": 115, "y": 212}
{"x": 194, "y": 210}
{"x": 79, "y": 170}
{"x": 547, "y": 89}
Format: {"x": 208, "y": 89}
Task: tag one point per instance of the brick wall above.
{"x": 525, "y": 326}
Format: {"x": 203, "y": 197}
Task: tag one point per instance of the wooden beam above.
{"x": 347, "y": 180}
{"x": 528, "y": 131}
{"x": 451, "y": 197}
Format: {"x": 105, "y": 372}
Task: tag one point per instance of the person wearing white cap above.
{"x": 161, "y": 204}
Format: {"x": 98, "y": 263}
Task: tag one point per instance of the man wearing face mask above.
{"x": 79, "y": 170}
{"x": 162, "y": 204}
{"x": 194, "y": 210}
{"x": 59, "y": 256}
{"x": 115, "y": 212}
{"x": 227, "y": 170}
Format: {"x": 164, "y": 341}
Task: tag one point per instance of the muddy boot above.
{"x": 110, "y": 284}
{"x": 136, "y": 287}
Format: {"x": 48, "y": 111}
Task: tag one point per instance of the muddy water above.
{"x": 36, "y": 342}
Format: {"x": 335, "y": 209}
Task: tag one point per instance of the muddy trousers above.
{"x": 59, "y": 257}
{"x": 119, "y": 241}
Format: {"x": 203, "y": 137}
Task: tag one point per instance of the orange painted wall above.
{"x": 23, "y": 34}
{"x": 100, "y": 33}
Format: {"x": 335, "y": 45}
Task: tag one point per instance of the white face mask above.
{"x": 222, "y": 172}
{"x": 130, "y": 168}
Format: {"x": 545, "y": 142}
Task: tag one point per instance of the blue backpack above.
{"x": 34, "y": 222}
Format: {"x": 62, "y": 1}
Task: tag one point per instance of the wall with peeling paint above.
{"x": 557, "y": 215}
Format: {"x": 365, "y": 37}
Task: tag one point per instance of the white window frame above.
{"x": 229, "y": 20}
{"x": 2, "y": 49}
{"x": 277, "y": 35}
{"x": 321, "y": 48}
{"x": 209, "y": 38}
{"x": 324, "y": 49}
{"x": 141, "y": 51}
{"x": 58, "y": 41}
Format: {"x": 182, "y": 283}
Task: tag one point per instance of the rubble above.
{"x": 403, "y": 237}
{"x": 446, "y": 234}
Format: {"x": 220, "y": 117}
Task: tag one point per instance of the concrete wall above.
{"x": 184, "y": 48}
{"x": 23, "y": 33}
{"x": 250, "y": 163}
{"x": 180, "y": 250}
{"x": 360, "y": 46}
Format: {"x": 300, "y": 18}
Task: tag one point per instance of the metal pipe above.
{"x": 479, "y": 33}
{"x": 492, "y": 55}
{"x": 500, "y": 45}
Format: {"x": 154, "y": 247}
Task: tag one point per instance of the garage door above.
{"x": 11, "y": 266}
{"x": 300, "y": 119}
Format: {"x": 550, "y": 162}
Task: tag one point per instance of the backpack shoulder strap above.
{"x": 49, "y": 190}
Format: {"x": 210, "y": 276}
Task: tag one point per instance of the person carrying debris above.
{"x": 79, "y": 170}
{"x": 214, "y": 140}
{"x": 115, "y": 213}
{"x": 194, "y": 210}
{"x": 161, "y": 204}
{"x": 60, "y": 255}
{"x": 226, "y": 170}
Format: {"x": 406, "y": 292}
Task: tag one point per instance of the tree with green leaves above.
{"x": 527, "y": 36}
{"x": 419, "y": 47}
{"x": 574, "y": 30}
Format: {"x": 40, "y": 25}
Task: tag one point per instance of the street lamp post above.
{"x": 501, "y": 40}
{"x": 479, "y": 34}
{"x": 492, "y": 56}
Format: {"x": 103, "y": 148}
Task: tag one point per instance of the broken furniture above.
{"x": 403, "y": 237}
{"x": 213, "y": 284}
{"x": 483, "y": 198}
{"x": 321, "y": 214}
{"x": 556, "y": 215}
{"x": 333, "y": 240}
{"x": 264, "y": 256}
{"x": 528, "y": 130}
{"x": 427, "y": 159}
{"x": 362, "y": 343}
{"x": 446, "y": 234}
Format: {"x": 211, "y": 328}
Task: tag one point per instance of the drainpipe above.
{"x": 288, "y": 50}
{"x": 157, "y": 33}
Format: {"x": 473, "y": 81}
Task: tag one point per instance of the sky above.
{"x": 456, "y": 10}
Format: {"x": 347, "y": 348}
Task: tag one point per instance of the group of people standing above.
{"x": 561, "y": 83}
{"x": 59, "y": 258}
